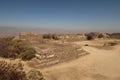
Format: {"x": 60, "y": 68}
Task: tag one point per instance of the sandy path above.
{"x": 98, "y": 65}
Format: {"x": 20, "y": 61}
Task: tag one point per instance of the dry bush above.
{"x": 90, "y": 37}
{"x": 50, "y": 36}
{"x": 10, "y": 48}
{"x": 34, "y": 75}
{"x": 100, "y": 36}
{"x": 10, "y": 71}
{"x": 94, "y": 35}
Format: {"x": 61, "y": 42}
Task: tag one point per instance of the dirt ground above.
{"x": 100, "y": 64}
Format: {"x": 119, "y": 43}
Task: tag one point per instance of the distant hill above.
{"x": 8, "y": 31}
{"x": 21, "y": 29}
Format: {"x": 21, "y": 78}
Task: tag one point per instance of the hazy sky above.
{"x": 74, "y": 15}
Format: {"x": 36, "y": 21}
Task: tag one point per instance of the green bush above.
{"x": 28, "y": 54}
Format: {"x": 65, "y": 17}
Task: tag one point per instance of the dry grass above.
{"x": 10, "y": 71}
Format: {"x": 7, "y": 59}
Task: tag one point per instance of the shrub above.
{"x": 50, "y": 36}
{"x": 10, "y": 48}
{"x": 89, "y": 37}
{"x": 47, "y": 36}
{"x": 55, "y": 37}
{"x": 35, "y": 75}
{"x": 10, "y": 71}
{"x": 100, "y": 36}
{"x": 28, "y": 54}
{"x": 6, "y": 47}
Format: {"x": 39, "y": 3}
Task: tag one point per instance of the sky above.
{"x": 70, "y": 15}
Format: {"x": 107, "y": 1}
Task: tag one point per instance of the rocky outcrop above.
{"x": 72, "y": 37}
